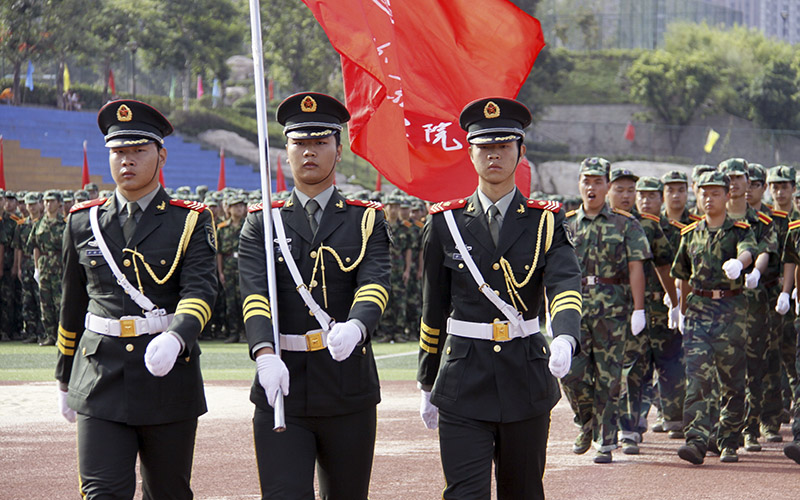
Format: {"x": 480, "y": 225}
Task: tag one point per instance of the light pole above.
{"x": 133, "y": 46}
{"x": 785, "y": 17}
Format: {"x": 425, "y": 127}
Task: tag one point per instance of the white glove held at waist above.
{"x": 428, "y": 412}
{"x": 66, "y": 412}
{"x": 732, "y": 268}
{"x": 560, "y": 357}
{"x": 273, "y": 376}
{"x": 782, "y": 307}
{"x": 342, "y": 339}
{"x": 751, "y": 279}
{"x": 674, "y": 317}
{"x": 161, "y": 353}
{"x": 638, "y": 321}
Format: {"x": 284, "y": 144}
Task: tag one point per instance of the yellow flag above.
{"x": 66, "y": 78}
{"x": 713, "y": 135}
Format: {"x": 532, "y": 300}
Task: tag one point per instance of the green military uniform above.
{"x": 414, "y": 288}
{"x": 715, "y": 332}
{"x": 218, "y": 324}
{"x": 8, "y": 283}
{"x": 30, "y": 311}
{"x": 228, "y": 242}
{"x": 47, "y": 237}
{"x": 604, "y": 246}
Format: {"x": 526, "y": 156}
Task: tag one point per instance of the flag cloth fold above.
{"x": 29, "y": 76}
{"x": 111, "y": 84}
{"x": 280, "y": 180}
{"x": 199, "y": 86}
{"x": 409, "y": 69}
{"x": 161, "y": 178}
{"x": 66, "y": 78}
{"x": 221, "y": 179}
{"x": 713, "y": 135}
{"x": 378, "y": 183}
{"x": 630, "y": 132}
{"x": 85, "y": 172}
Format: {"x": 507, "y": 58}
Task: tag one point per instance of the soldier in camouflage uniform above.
{"x": 393, "y": 321}
{"x": 611, "y": 247}
{"x": 12, "y": 319}
{"x": 696, "y": 212}
{"x": 709, "y": 263}
{"x": 414, "y": 298}
{"x": 7, "y": 227}
{"x": 216, "y": 328}
{"x": 30, "y": 311}
{"x": 228, "y": 266}
{"x": 791, "y": 258}
{"x": 46, "y": 240}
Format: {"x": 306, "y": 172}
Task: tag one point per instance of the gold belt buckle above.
{"x": 716, "y": 294}
{"x": 127, "y": 328}
{"x": 314, "y": 341}
{"x": 500, "y": 331}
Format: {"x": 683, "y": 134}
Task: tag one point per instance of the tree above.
{"x": 775, "y": 99}
{"x": 23, "y": 34}
{"x": 674, "y": 87}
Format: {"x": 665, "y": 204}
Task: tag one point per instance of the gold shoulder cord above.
{"x": 511, "y": 282}
{"x": 188, "y": 229}
{"x": 367, "y": 225}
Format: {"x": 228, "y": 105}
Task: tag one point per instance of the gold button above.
{"x": 314, "y": 283}
{"x": 126, "y": 263}
{"x": 448, "y": 350}
{"x": 93, "y": 262}
{"x": 83, "y": 351}
{"x": 544, "y": 350}
{"x": 347, "y": 259}
{"x": 187, "y": 358}
{"x": 495, "y": 266}
{"x": 129, "y": 347}
{"x": 527, "y": 267}
{"x": 280, "y": 259}
{"x": 497, "y": 348}
{"x": 313, "y": 254}
{"x": 461, "y": 266}
{"x": 310, "y": 313}
{"x": 497, "y": 292}
{"x": 163, "y": 262}
{"x": 363, "y": 350}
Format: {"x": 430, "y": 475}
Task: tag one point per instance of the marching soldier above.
{"x": 228, "y": 232}
{"x": 696, "y": 212}
{"x": 29, "y": 308}
{"x": 675, "y": 213}
{"x": 332, "y": 274}
{"x": 489, "y": 259}
{"x": 138, "y": 287}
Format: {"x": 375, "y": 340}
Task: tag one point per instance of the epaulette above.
{"x": 191, "y": 205}
{"x": 419, "y": 223}
{"x": 696, "y": 217}
{"x": 766, "y": 219}
{"x": 447, "y": 205}
{"x": 771, "y": 207}
{"x": 224, "y": 223}
{"x": 622, "y": 212}
{"x": 87, "y": 204}
{"x": 677, "y": 223}
{"x": 780, "y": 213}
{"x": 277, "y": 203}
{"x": 260, "y": 206}
{"x": 571, "y": 213}
{"x": 652, "y": 217}
{"x": 407, "y": 223}
{"x": 794, "y": 224}
{"x": 365, "y": 203}
{"x": 16, "y": 218}
{"x": 689, "y": 228}
{"x": 552, "y": 206}
{"x": 742, "y": 224}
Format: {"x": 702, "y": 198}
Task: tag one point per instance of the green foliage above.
{"x": 774, "y": 96}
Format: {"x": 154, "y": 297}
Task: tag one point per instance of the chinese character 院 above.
{"x": 439, "y": 133}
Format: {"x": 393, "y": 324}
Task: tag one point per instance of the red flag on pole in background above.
{"x": 409, "y": 69}
{"x": 111, "y": 83}
{"x": 85, "y": 173}
{"x": 271, "y": 88}
{"x": 199, "y": 86}
{"x": 280, "y": 180}
{"x": 378, "y": 183}
{"x": 161, "y": 178}
{"x": 2, "y": 167}
{"x": 630, "y": 132}
{"x": 221, "y": 180}
{"x": 522, "y": 177}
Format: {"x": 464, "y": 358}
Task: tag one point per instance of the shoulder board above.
{"x": 275, "y": 204}
{"x": 766, "y": 219}
{"x": 552, "y": 206}
{"x": 224, "y": 223}
{"x": 695, "y": 217}
{"x": 447, "y": 205}
{"x": 407, "y": 223}
{"x": 678, "y": 224}
{"x": 191, "y": 205}
{"x": 87, "y": 204}
{"x": 794, "y": 224}
{"x": 689, "y": 228}
{"x": 365, "y": 203}
{"x": 419, "y": 223}
{"x": 771, "y": 207}
{"x": 17, "y": 219}
{"x": 742, "y": 224}
{"x": 571, "y": 213}
{"x": 652, "y": 217}
{"x": 622, "y": 212}
{"x": 780, "y": 213}
{"x": 260, "y": 206}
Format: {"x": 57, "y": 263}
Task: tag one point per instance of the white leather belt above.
{"x": 313, "y": 340}
{"x": 499, "y": 331}
{"x": 126, "y": 326}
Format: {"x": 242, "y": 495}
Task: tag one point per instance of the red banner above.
{"x": 221, "y": 179}
{"x": 85, "y": 172}
{"x": 111, "y": 83}
{"x": 280, "y": 180}
{"x": 409, "y": 69}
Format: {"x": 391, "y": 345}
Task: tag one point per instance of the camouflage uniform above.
{"x": 219, "y": 314}
{"x": 8, "y": 284}
{"x": 228, "y": 248}
{"x": 413, "y": 291}
{"x": 47, "y": 236}
{"x": 393, "y": 321}
{"x": 604, "y": 246}
{"x": 791, "y": 254}
{"x": 31, "y": 313}
{"x": 714, "y": 336}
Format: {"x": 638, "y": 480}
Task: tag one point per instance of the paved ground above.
{"x": 37, "y": 456}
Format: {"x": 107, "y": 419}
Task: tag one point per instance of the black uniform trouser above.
{"x": 468, "y": 447}
{"x": 342, "y": 447}
{"x": 107, "y": 459}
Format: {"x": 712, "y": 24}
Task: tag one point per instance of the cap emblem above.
{"x": 124, "y": 114}
{"x": 491, "y": 110}
{"x": 308, "y": 104}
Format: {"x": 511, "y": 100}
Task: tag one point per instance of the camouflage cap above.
{"x": 757, "y": 172}
{"x": 649, "y": 184}
{"x": 81, "y": 195}
{"x": 715, "y": 178}
{"x": 781, "y": 173}
{"x": 106, "y": 193}
{"x": 91, "y": 187}
{"x": 211, "y": 201}
{"x": 235, "y": 198}
{"x": 33, "y": 197}
{"x": 10, "y": 195}
{"x": 734, "y": 166}
{"x": 52, "y": 194}
{"x": 595, "y": 166}
{"x": 622, "y": 173}
{"x": 67, "y": 195}
{"x": 699, "y": 170}
{"x": 674, "y": 176}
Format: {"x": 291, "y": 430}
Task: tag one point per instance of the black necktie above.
{"x": 494, "y": 223}
{"x": 311, "y": 208}
{"x": 130, "y": 225}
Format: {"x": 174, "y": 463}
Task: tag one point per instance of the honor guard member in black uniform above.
{"x": 139, "y": 279}
{"x": 339, "y": 251}
{"x": 483, "y": 362}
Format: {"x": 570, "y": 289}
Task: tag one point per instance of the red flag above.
{"x": 522, "y": 177}
{"x": 85, "y": 173}
{"x": 221, "y": 180}
{"x": 280, "y": 180}
{"x": 199, "y": 86}
{"x": 378, "y": 183}
{"x": 271, "y": 87}
{"x": 2, "y": 168}
{"x": 630, "y": 132}
{"x": 111, "y": 82}
{"x": 161, "y": 178}
{"x": 409, "y": 69}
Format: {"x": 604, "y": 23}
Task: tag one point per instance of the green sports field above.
{"x": 32, "y": 363}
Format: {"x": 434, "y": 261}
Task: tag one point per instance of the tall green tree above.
{"x": 23, "y": 34}
{"x": 775, "y": 99}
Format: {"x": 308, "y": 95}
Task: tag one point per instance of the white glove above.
{"x": 161, "y": 353}
{"x": 342, "y": 339}
{"x": 36, "y": 276}
{"x": 732, "y": 268}
{"x": 560, "y": 357}
{"x": 638, "y": 322}
{"x": 674, "y": 317}
{"x": 681, "y": 322}
{"x": 794, "y": 294}
{"x": 549, "y": 325}
{"x": 428, "y": 412}
{"x": 782, "y": 307}
{"x": 273, "y": 376}
{"x": 67, "y": 412}
{"x": 667, "y": 301}
{"x": 751, "y": 279}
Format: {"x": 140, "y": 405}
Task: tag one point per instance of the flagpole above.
{"x": 266, "y": 190}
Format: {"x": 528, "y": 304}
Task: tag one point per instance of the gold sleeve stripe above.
{"x": 378, "y": 302}
{"x": 379, "y": 297}
{"x": 429, "y": 339}
{"x": 429, "y": 349}
{"x": 566, "y": 300}
{"x": 66, "y": 334}
{"x": 376, "y": 288}
{"x": 197, "y": 304}
{"x": 256, "y": 304}
{"x": 66, "y": 342}
{"x": 65, "y": 350}
{"x": 564, "y": 307}
{"x": 256, "y": 312}
{"x": 194, "y": 310}
{"x": 568, "y": 293}
{"x": 430, "y": 331}
{"x": 256, "y": 298}
{"x": 196, "y": 314}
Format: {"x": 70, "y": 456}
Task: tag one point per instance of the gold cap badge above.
{"x": 491, "y": 110}
{"x": 308, "y": 104}
{"x": 124, "y": 114}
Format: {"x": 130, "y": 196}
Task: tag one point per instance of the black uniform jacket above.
{"x": 484, "y": 379}
{"x": 318, "y": 385}
{"x": 106, "y": 375}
